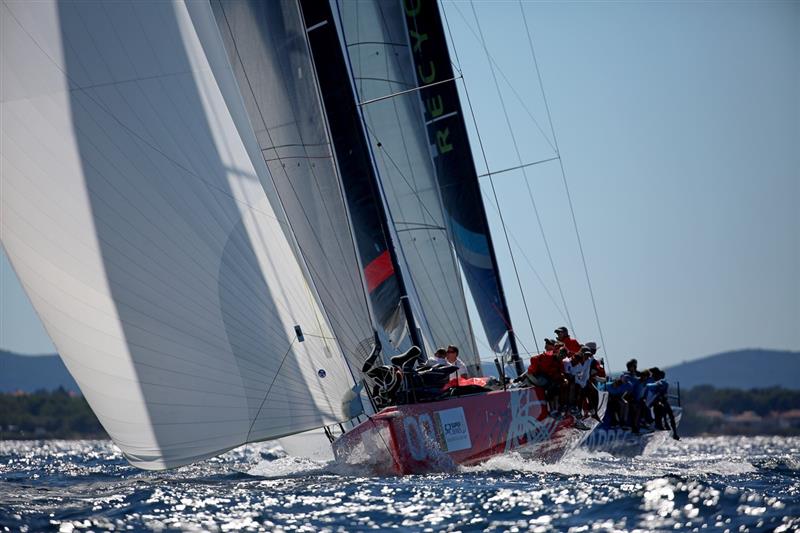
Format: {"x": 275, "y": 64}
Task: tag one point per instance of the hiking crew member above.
{"x": 581, "y": 369}
{"x": 547, "y": 371}
{"x": 539, "y": 369}
{"x": 572, "y": 345}
{"x": 655, "y": 397}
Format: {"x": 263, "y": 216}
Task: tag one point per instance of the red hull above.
{"x": 435, "y": 436}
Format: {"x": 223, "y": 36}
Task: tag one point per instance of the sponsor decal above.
{"x": 454, "y": 431}
{"x": 427, "y": 437}
{"x": 609, "y": 439}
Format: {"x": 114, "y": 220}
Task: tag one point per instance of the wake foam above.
{"x": 269, "y": 460}
{"x": 577, "y": 463}
{"x": 288, "y": 466}
{"x": 582, "y": 462}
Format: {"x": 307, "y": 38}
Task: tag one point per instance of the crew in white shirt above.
{"x": 581, "y": 368}
{"x": 451, "y": 355}
{"x": 438, "y": 358}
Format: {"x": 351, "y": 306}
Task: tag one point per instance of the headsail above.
{"x": 455, "y": 170}
{"x": 140, "y": 218}
{"x": 377, "y": 42}
{"x": 267, "y": 49}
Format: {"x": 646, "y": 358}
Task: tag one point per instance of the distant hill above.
{"x": 33, "y": 372}
{"x": 741, "y": 369}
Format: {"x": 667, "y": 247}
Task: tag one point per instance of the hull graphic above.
{"x": 436, "y": 436}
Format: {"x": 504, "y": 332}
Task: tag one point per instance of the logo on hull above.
{"x": 446, "y": 431}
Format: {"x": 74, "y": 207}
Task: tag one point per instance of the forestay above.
{"x": 380, "y": 57}
{"x": 140, "y": 216}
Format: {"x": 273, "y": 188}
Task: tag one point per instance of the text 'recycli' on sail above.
{"x": 455, "y": 170}
{"x": 382, "y": 68}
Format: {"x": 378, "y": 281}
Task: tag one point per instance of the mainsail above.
{"x": 140, "y": 216}
{"x": 380, "y": 56}
{"x": 455, "y": 170}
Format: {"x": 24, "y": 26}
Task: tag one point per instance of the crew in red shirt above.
{"x": 547, "y": 371}
{"x": 572, "y": 345}
{"x": 535, "y": 367}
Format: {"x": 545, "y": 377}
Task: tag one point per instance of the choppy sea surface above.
{"x": 697, "y": 484}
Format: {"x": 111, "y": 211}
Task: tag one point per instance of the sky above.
{"x": 678, "y": 126}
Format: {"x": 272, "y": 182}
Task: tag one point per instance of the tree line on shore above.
{"x": 43, "y": 414}
{"x": 59, "y": 414}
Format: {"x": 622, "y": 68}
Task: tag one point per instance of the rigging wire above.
{"x": 457, "y": 66}
{"x": 517, "y": 167}
{"x": 524, "y": 170}
{"x": 266, "y": 394}
{"x": 564, "y": 179}
{"x": 505, "y": 79}
{"x": 530, "y": 263}
{"x": 500, "y": 213}
{"x": 424, "y": 207}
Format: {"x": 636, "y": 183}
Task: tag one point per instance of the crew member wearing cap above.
{"x": 541, "y": 366}
{"x": 572, "y": 345}
{"x": 596, "y": 374}
{"x": 598, "y": 370}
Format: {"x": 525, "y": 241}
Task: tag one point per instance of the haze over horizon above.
{"x": 678, "y": 126}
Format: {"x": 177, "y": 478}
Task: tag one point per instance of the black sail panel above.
{"x": 455, "y": 171}
{"x": 384, "y": 284}
{"x": 374, "y": 32}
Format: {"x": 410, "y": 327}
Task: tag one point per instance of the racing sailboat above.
{"x": 201, "y": 202}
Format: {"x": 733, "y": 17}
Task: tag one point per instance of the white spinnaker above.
{"x": 136, "y": 218}
{"x": 374, "y": 31}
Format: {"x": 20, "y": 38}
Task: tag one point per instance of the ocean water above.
{"x": 697, "y": 484}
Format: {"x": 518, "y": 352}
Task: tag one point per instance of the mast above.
{"x": 458, "y": 180}
{"x": 375, "y": 38}
{"x": 377, "y": 251}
